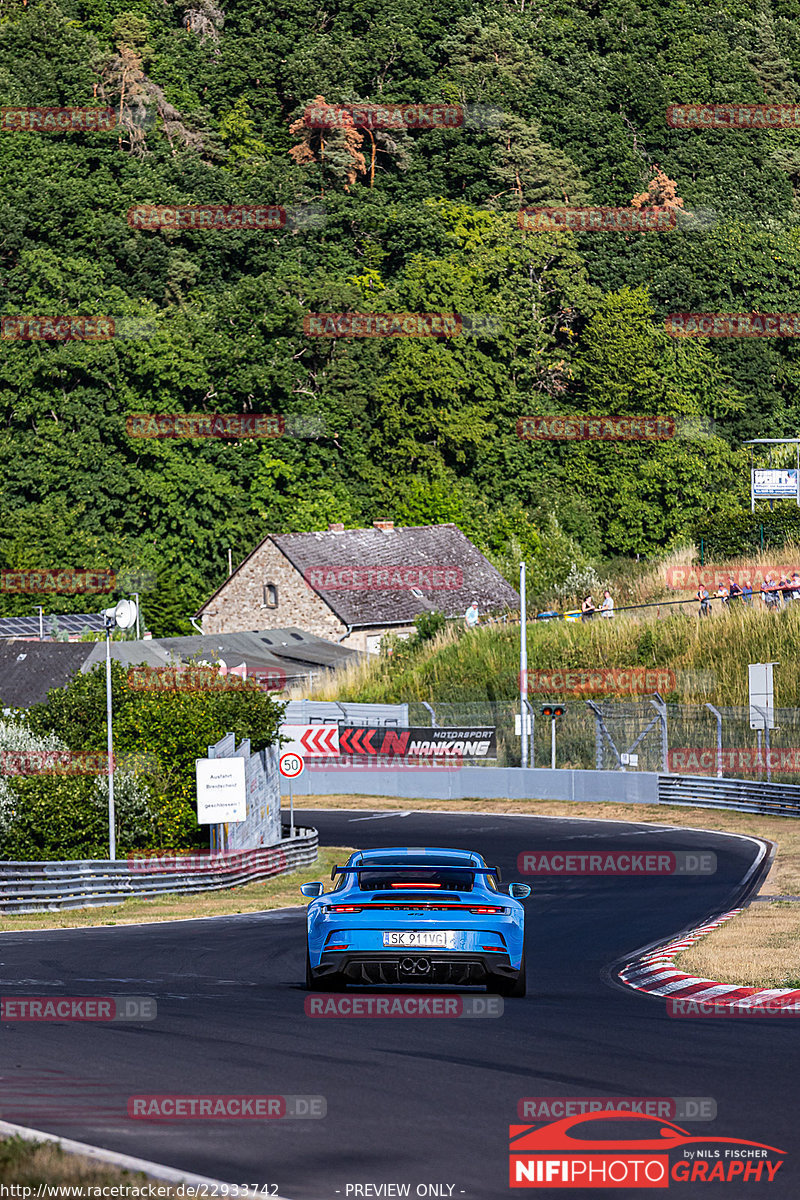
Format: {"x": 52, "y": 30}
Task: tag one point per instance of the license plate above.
{"x": 430, "y": 939}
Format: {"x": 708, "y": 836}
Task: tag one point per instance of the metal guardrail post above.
{"x": 532, "y": 715}
{"x": 659, "y": 704}
{"x": 718, "y": 715}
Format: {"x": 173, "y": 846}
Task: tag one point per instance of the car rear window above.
{"x": 421, "y": 876}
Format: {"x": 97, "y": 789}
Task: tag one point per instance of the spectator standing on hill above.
{"x": 588, "y": 608}
{"x": 769, "y": 592}
{"x": 705, "y": 604}
{"x": 747, "y": 592}
{"x": 786, "y": 590}
{"x": 471, "y": 615}
{"x": 607, "y": 607}
{"x": 734, "y": 591}
{"x": 796, "y": 586}
{"x": 722, "y": 594}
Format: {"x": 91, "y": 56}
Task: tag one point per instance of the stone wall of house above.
{"x": 240, "y": 603}
{"x": 363, "y": 639}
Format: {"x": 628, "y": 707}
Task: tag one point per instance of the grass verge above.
{"x": 35, "y": 1164}
{"x": 281, "y": 892}
{"x": 758, "y": 948}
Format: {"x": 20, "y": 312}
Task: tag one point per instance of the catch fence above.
{"x": 641, "y": 734}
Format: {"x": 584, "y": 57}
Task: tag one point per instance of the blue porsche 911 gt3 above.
{"x": 416, "y": 916}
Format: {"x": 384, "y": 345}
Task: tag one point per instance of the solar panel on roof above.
{"x": 67, "y": 623}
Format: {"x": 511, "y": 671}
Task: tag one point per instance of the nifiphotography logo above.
{"x": 623, "y": 1149}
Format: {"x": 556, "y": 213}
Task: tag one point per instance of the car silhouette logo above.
{"x": 558, "y": 1135}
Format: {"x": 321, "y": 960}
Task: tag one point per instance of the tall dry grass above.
{"x": 709, "y": 657}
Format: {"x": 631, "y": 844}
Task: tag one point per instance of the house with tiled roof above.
{"x": 353, "y": 586}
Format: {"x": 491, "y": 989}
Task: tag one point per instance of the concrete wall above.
{"x": 467, "y": 783}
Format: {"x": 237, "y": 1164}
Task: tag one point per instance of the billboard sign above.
{"x": 775, "y": 485}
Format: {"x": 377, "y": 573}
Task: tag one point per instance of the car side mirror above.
{"x": 518, "y": 891}
{"x": 315, "y": 889}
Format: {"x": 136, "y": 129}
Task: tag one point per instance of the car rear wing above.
{"x": 431, "y": 866}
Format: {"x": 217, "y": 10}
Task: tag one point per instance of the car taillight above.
{"x": 492, "y": 947}
{"x": 344, "y": 908}
{"x": 415, "y": 885}
{"x": 487, "y": 908}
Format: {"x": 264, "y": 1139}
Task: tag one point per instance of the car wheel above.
{"x": 313, "y": 983}
{"x": 515, "y": 987}
{"x": 325, "y": 983}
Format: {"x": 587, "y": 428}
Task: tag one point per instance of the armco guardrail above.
{"x": 744, "y": 795}
{"x": 88, "y": 883}
{"x": 452, "y": 782}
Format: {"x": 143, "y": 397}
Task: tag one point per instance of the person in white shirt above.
{"x": 607, "y": 607}
{"x": 471, "y": 615}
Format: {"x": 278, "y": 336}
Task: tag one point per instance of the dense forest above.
{"x": 564, "y": 104}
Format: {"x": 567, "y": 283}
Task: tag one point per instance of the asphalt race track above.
{"x": 409, "y": 1101}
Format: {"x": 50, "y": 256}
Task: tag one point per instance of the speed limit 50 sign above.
{"x": 291, "y": 765}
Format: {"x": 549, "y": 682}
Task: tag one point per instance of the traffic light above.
{"x": 553, "y": 710}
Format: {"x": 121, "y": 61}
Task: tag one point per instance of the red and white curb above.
{"x": 656, "y": 973}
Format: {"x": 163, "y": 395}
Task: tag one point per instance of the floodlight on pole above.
{"x": 122, "y": 616}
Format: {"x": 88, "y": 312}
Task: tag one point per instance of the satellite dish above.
{"x": 125, "y": 614}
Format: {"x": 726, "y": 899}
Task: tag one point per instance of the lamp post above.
{"x": 523, "y": 667}
{"x": 123, "y": 616}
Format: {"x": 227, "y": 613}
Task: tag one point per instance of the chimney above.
{"x": 385, "y": 526}
{"x": 336, "y": 527}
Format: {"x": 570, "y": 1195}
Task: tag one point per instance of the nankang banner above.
{"x": 413, "y": 741}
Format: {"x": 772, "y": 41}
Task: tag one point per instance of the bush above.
{"x": 48, "y": 816}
